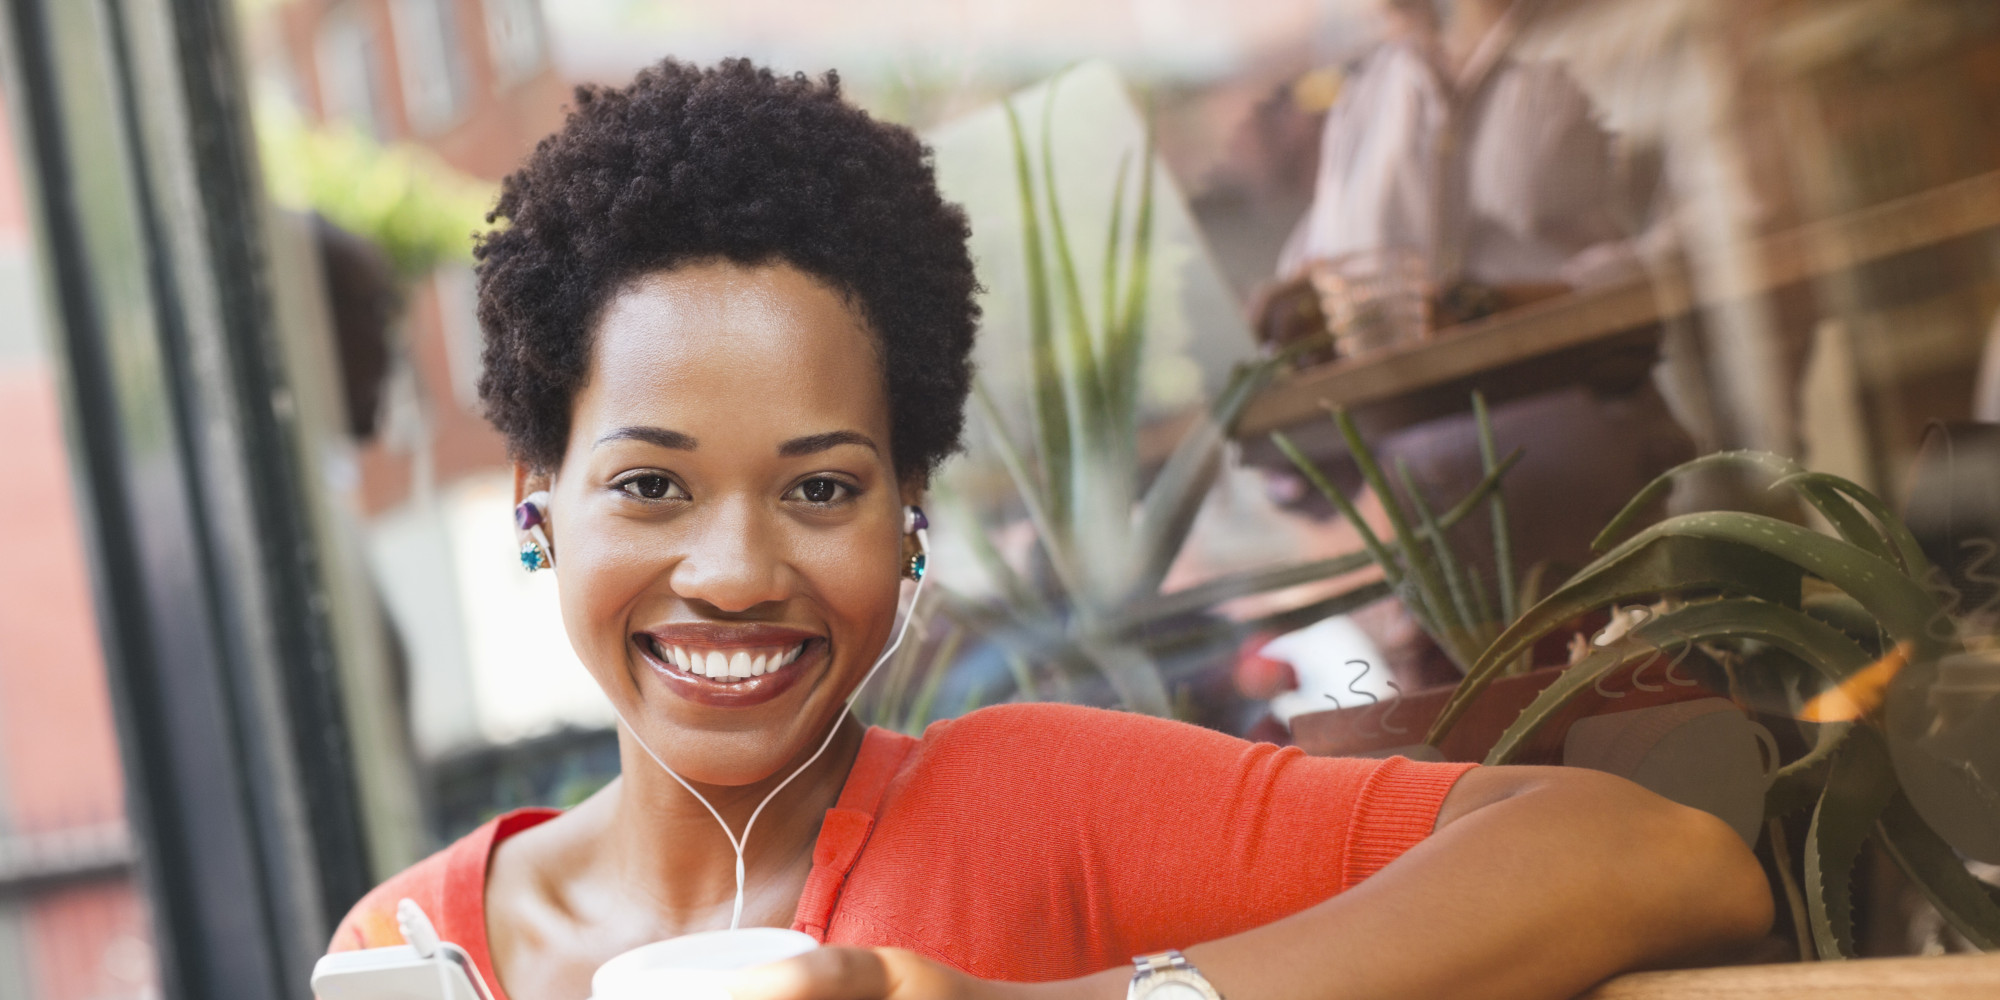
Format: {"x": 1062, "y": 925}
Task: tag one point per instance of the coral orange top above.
{"x": 1039, "y": 842}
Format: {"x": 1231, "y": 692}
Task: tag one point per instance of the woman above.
{"x": 728, "y": 323}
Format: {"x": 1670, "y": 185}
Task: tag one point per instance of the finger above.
{"x": 820, "y": 974}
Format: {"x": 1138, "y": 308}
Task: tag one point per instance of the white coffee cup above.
{"x": 694, "y": 966}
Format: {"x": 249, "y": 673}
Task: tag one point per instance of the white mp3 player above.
{"x": 424, "y": 968}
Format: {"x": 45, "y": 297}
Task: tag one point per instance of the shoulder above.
{"x": 1040, "y": 726}
{"x": 1099, "y": 767}
{"x": 1088, "y": 760}
{"x": 371, "y": 923}
{"x": 449, "y": 885}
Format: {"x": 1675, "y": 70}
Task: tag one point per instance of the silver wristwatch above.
{"x": 1168, "y": 976}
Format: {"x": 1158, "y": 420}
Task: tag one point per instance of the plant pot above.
{"x": 1400, "y": 723}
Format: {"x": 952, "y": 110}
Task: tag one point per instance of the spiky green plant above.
{"x": 1441, "y": 590}
{"x": 1730, "y": 584}
{"x": 1106, "y": 544}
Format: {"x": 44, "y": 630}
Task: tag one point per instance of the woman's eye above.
{"x": 822, "y": 491}
{"x": 649, "y": 487}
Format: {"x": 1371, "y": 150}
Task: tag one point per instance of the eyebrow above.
{"x": 813, "y": 443}
{"x": 808, "y": 445}
{"x": 651, "y": 435}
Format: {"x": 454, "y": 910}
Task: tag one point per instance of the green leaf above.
{"x": 1208, "y": 594}
{"x": 1857, "y": 790}
{"x": 1797, "y": 791}
{"x": 1826, "y": 650}
{"x": 1031, "y": 498}
{"x": 1267, "y": 578}
{"x": 1503, "y": 538}
{"x": 1222, "y": 631}
{"x": 1487, "y": 487}
{"x": 1134, "y": 677}
{"x": 919, "y": 714}
{"x": 1167, "y": 511}
{"x": 1392, "y": 567}
{"x": 1088, "y": 417}
{"x": 1447, "y": 562}
{"x": 1009, "y": 583}
{"x": 1970, "y": 906}
{"x": 1661, "y": 561}
{"x": 1827, "y": 494}
{"x": 1843, "y": 612}
{"x": 1908, "y": 553}
{"x": 1818, "y": 489}
{"x": 1810, "y": 765}
{"x": 1423, "y": 572}
{"x": 1127, "y": 338}
{"x": 1704, "y": 542}
{"x": 1575, "y": 679}
{"x": 1113, "y": 238}
{"x": 1051, "y": 411}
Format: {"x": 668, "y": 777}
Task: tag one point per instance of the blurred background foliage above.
{"x": 400, "y": 196}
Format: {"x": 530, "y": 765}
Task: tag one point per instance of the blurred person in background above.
{"x": 1496, "y": 174}
{"x": 1494, "y": 170}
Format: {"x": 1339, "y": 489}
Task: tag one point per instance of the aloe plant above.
{"x": 1105, "y": 543}
{"x": 1730, "y": 584}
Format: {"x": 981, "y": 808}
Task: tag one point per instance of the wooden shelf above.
{"x": 1945, "y": 977}
{"x": 1564, "y": 332}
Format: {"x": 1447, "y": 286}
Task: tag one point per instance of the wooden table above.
{"x": 1945, "y": 977}
{"x": 1608, "y": 333}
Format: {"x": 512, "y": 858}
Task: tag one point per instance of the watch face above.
{"x": 1171, "y": 990}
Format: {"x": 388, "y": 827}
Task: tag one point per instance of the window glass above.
{"x": 430, "y": 56}
{"x": 72, "y": 922}
{"x": 1537, "y": 255}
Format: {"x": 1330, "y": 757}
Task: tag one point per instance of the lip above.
{"x": 739, "y": 693}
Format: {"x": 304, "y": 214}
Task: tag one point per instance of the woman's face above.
{"x": 727, "y": 505}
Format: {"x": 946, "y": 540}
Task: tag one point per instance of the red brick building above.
{"x": 470, "y": 80}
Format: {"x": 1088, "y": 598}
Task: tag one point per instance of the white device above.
{"x": 425, "y": 968}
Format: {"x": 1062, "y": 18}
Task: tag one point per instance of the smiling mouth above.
{"x": 724, "y": 665}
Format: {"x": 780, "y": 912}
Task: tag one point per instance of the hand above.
{"x": 838, "y": 973}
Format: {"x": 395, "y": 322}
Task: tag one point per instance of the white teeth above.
{"x": 732, "y": 665}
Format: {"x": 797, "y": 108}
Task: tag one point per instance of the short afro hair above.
{"x": 688, "y": 164}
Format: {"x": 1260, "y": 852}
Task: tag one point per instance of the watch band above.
{"x": 1167, "y": 966}
{"x": 1161, "y": 961}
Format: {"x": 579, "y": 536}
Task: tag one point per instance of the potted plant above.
{"x": 1835, "y": 635}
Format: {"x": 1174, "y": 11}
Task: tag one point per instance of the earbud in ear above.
{"x": 529, "y": 516}
{"x": 914, "y": 525}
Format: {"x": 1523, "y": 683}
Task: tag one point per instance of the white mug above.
{"x": 694, "y": 966}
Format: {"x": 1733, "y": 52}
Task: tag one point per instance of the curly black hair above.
{"x": 733, "y": 162}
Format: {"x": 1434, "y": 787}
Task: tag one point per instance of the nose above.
{"x": 732, "y": 560}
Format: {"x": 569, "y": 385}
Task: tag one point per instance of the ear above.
{"x": 527, "y": 481}
{"x": 912, "y": 490}
{"x": 526, "y": 484}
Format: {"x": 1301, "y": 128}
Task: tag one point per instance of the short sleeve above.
{"x": 1036, "y": 842}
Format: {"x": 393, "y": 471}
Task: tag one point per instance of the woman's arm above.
{"x": 1537, "y": 883}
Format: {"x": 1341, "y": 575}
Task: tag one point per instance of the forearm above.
{"x": 1567, "y": 879}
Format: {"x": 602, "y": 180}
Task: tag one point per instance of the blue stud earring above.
{"x": 529, "y": 518}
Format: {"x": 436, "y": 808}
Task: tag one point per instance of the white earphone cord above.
{"x": 735, "y": 842}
